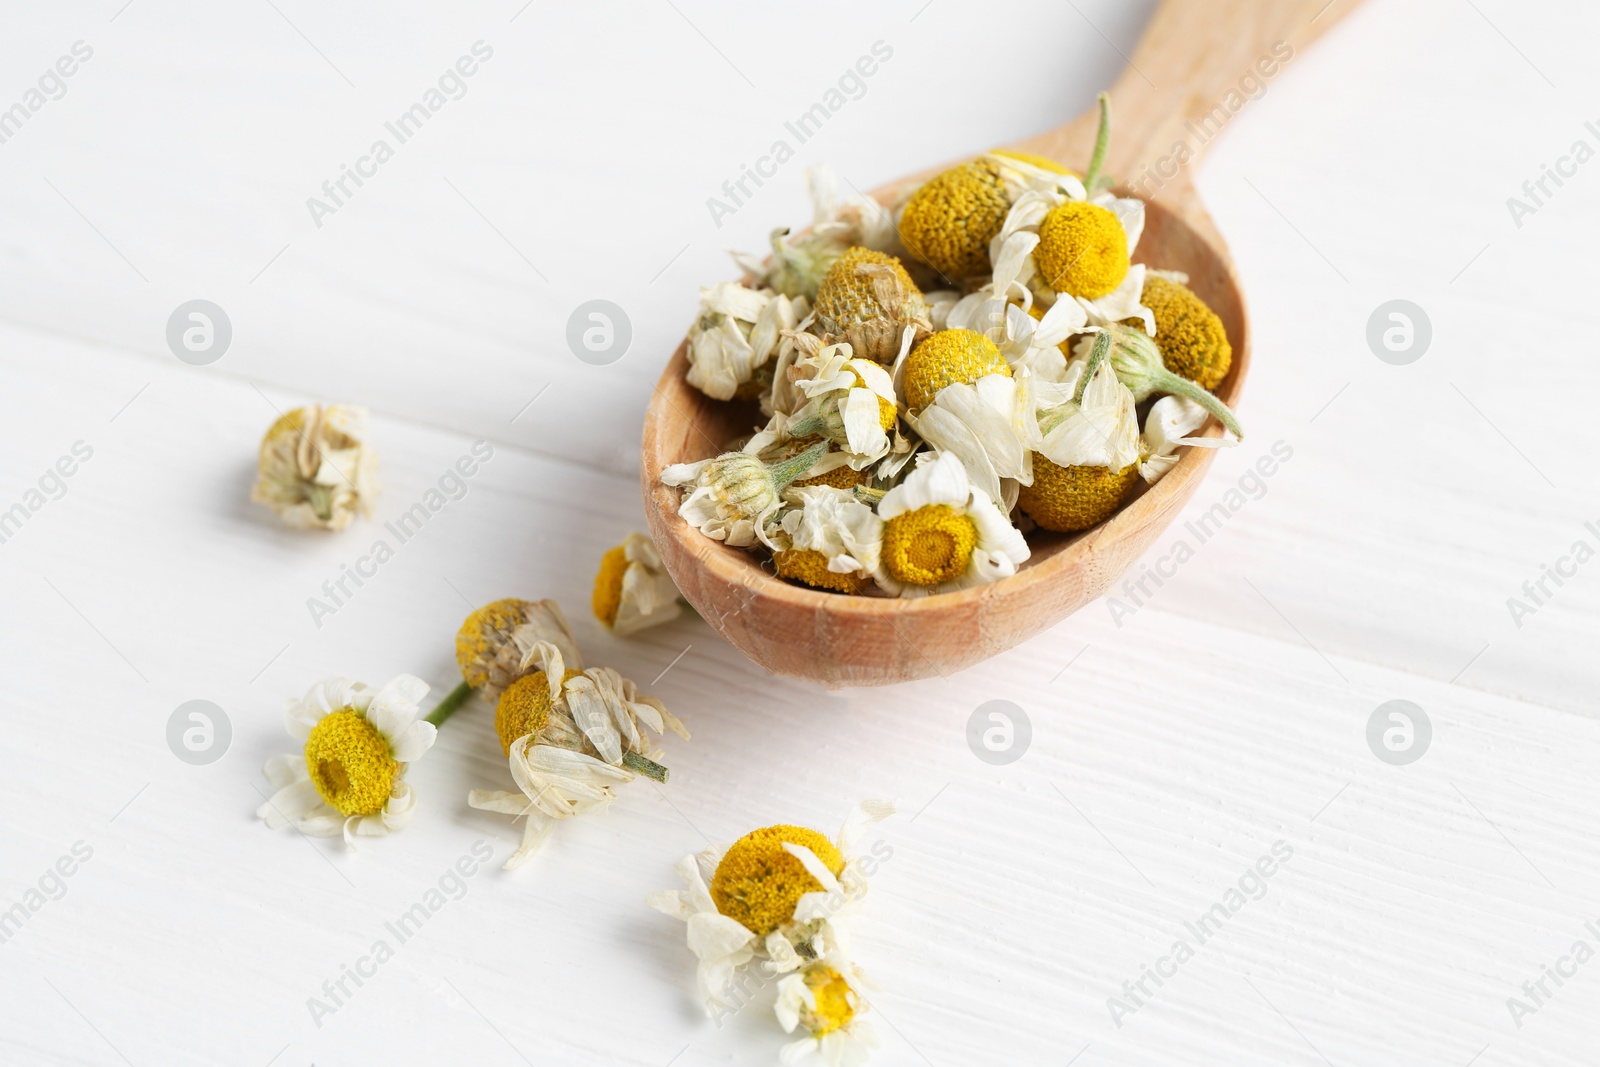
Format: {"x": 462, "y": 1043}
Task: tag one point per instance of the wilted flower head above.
{"x": 633, "y": 590}
{"x": 495, "y": 641}
{"x": 734, "y": 494}
{"x": 316, "y": 469}
{"x": 735, "y": 334}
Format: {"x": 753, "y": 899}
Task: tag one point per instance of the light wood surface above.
{"x": 845, "y": 640}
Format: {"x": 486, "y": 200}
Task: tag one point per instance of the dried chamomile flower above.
{"x": 570, "y": 736}
{"x": 945, "y": 358}
{"x": 1028, "y": 332}
{"x": 732, "y": 496}
{"x": 1089, "y": 420}
{"x": 735, "y": 334}
{"x": 1170, "y": 425}
{"x": 950, "y": 219}
{"x": 849, "y": 401}
{"x": 357, "y": 742}
{"x": 781, "y": 893}
{"x": 798, "y": 263}
{"x": 633, "y": 590}
{"x": 867, "y": 300}
{"x": 832, "y": 540}
{"x": 1191, "y": 337}
{"x": 942, "y": 533}
{"x": 316, "y": 469}
{"x": 964, "y": 399}
{"x": 1138, "y": 363}
{"x": 1081, "y": 239}
{"x": 822, "y": 1002}
{"x": 496, "y": 640}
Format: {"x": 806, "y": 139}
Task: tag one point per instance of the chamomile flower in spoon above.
{"x": 732, "y": 496}
{"x": 831, "y": 539}
{"x": 942, "y": 533}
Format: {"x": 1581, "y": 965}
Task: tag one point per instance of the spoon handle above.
{"x": 1198, "y": 64}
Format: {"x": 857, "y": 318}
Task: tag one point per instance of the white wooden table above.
{"x": 1228, "y": 713}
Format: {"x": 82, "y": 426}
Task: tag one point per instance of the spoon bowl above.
{"x": 838, "y": 640}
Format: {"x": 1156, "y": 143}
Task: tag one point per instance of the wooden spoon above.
{"x": 1198, "y": 64}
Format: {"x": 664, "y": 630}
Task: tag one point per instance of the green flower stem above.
{"x": 1097, "y": 356}
{"x": 1102, "y": 141}
{"x": 447, "y": 707}
{"x": 645, "y": 766}
{"x": 1164, "y": 381}
{"x": 795, "y": 466}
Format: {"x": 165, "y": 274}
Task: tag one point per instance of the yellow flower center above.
{"x": 350, "y": 764}
{"x": 481, "y": 636}
{"x": 835, "y": 1000}
{"x": 929, "y": 546}
{"x": 845, "y": 297}
{"x": 758, "y": 883}
{"x": 524, "y": 707}
{"x": 1191, "y": 337}
{"x": 811, "y": 567}
{"x": 1068, "y": 499}
{"x": 608, "y": 585}
{"x": 1083, "y": 250}
{"x": 949, "y": 357}
{"x": 840, "y": 478}
{"x": 949, "y": 222}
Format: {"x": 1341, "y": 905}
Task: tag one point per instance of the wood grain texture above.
{"x": 845, "y": 640}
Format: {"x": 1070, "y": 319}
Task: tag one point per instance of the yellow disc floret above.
{"x": 482, "y": 634}
{"x": 1042, "y": 162}
{"x": 840, "y": 478}
{"x": 809, "y": 566}
{"x": 949, "y": 357}
{"x": 524, "y": 707}
{"x": 835, "y": 1000}
{"x": 1067, "y": 499}
{"x": 846, "y": 297}
{"x": 758, "y": 883}
{"x": 930, "y": 545}
{"x": 607, "y": 596}
{"x": 1190, "y": 335}
{"x": 1083, "y": 250}
{"x": 350, "y": 763}
{"x": 949, "y": 222}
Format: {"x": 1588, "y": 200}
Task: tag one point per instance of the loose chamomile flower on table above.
{"x": 942, "y": 533}
{"x": 316, "y": 469}
{"x": 778, "y": 893}
{"x": 732, "y": 496}
{"x": 867, "y": 300}
{"x": 497, "y": 639}
{"x": 633, "y": 590}
{"x": 349, "y": 777}
{"x": 571, "y": 736}
{"x": 736, "y": 333}
{"x": 832, "y": 540}
{"x": 823, "y": 1003}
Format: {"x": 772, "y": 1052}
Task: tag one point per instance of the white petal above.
{"x": 413, "y": 741}
{"x": 394, "y": 707}
{"x": 867, "y": 813}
